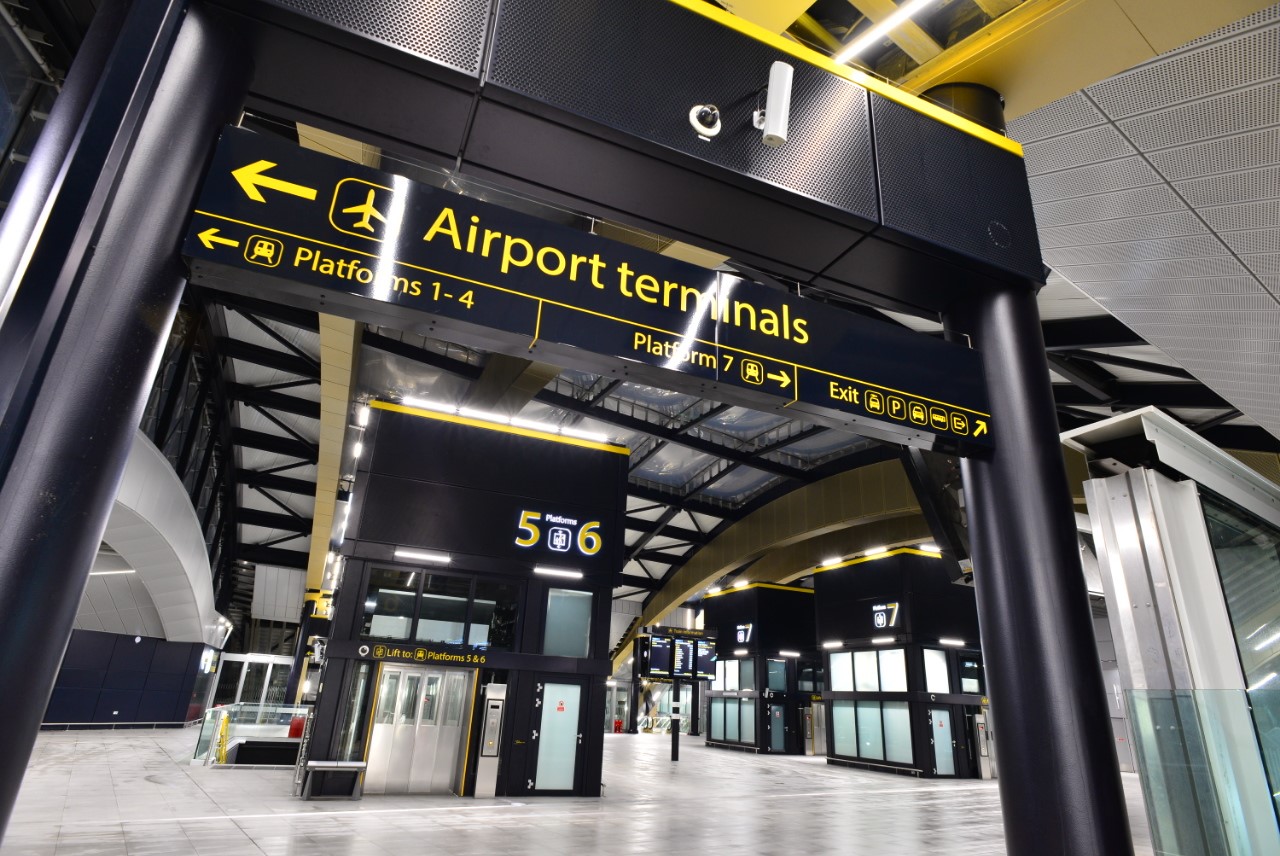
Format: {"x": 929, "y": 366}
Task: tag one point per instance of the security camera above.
{"x": 705, "y": 119}
{"x": 773, "y": 119}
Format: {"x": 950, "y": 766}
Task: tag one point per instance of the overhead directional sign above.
{"x": 283, "y": 222}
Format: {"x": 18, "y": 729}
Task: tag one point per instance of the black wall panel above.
{"x": 106, "y": 677}
{"x": 638, "y": 67}
{"x": 947, "y": 188}
{"x": 930, "y": 605}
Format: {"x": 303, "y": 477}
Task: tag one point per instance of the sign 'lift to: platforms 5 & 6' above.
{"x": 285, "y": 224}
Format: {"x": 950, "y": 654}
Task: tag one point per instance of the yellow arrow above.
{"x": 782, "y": 378}
{"x": 980, "y": 428}
{"x": 250, "y": 177}
{"x": 209, "y": 237}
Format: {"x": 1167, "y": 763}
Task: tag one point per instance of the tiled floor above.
{"x": 131, "y": 792}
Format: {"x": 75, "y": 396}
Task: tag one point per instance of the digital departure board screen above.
{"x": 682, "y": 666}
{"x": 706, "y": 669}
{"x": 660, "y": 656}
{"x": 671, "y": 656}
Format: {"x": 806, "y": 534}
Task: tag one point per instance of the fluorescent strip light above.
{"x": 929, "y": 548}
{"x": 876, "y": 551}
{"x": 835, "y": 560}
{"x": 833, "y": 644}
{"x": 1270, "y": 640}
{"x": 357, "y": 450}
{"x": 742, "y": 584}
{"x": 714, "y": 590}
{"x": 954, "y": 643}
{"x": 883, "y": 640}
{"x": 420, "y": 556}
{"x": 788, "y": 653}
{"x": 557, "y": 572}
{"x": 1262, "y": 683}
{"x": 739, "y": 652}
{"x": 110, "y": 573}
{"x": 877, "y": 32}
{"x": 362, "y": 416}
{"x": 424, "y": 404}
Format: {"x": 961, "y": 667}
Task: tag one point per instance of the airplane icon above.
{"x": 367, "y": 211}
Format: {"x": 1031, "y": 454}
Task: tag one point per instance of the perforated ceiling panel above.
{"x": 450, "y": 32}
{"x": 1157, "y": 193}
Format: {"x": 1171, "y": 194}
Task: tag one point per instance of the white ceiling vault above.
{"x": 1157, "y": 194}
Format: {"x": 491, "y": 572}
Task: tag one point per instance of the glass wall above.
{"x": 402, "y": 604}
{"x": 568, "y": 626}
{"x": 1247, "y": 552}
{"x": 871, "y": 729}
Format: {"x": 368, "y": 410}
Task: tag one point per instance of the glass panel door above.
{"x": 777, "y": 728}
{"x": 559, "y": 736}
{"x": 944, "y": 760}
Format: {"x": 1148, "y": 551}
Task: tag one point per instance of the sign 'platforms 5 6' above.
{"x": 286, "y": 224}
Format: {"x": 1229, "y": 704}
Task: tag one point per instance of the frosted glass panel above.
{"x": 777, "y": 675}
{"x": 717, "y": 719}
{"x": 718, "y": 683}
{"x": 893, "y": 671}
{"x": 731, "y": 674}
{"x": 865, "y": 677}
{"x": 748, "y": 719}
{"x": 935, "y": 671}
{"x": 731, "y": 719}
{"x": 897, "y": 732}
{"x": 747, "y": 675}
{"x": 844, "y": 728}
{"x": 558, "y": 737}
{"x": 842, "y": 672}
{"x": 568, "y": 632}
{"x": 870, "y": 741}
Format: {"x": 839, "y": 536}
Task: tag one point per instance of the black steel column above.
{"x": 97, "y": 288}
{"x": 633, "y": 710}
{"x": 1059, "y": 781}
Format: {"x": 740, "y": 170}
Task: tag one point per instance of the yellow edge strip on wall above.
{"x": 901, "y": 551}
{"x": 761, "y": 585}
{"x": 466, "y": 744}
{"x": 866, "y": 81}
{"x": 498, "y": 426}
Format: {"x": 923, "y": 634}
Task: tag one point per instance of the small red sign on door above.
{"x": 560, "y": 707}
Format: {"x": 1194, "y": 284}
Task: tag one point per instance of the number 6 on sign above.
{"x": 589, "y": 541}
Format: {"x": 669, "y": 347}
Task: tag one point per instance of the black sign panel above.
{"x": 384, "y": 248}
{"x": 706, "y": 659}
{"x": 660, "y": 656}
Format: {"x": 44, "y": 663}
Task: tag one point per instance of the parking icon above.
{"x": 897, "y": 408}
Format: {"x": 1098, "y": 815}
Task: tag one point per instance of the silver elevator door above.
{"x": 419, "y": 720}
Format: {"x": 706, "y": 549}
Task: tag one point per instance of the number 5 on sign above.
{"x": 530, "y": 533}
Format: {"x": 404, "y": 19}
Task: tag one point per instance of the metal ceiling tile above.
{"x": 1111, "y": 205}
{"x": 1063, "y": 116}
{"x": 1211, "y": 285}
{"x": 1173, "y": 225}
{"x": 1189, "y": 74}
{"x": 1230, "y": 113}
{"x": 1077, "y": 149}
{"x": 1260, "y": 241}
{"x": 1228, "y": 189}
{"x": 1248, "y": 22}
{"x": 1210, "y": 266}
{"x": 1190, "y": 302}
{"x": 1265, "y": 264}
{"x": 1085, "y": 180}
{"x": 1194, "y": 246}
{"x": 1247, "y": 216}
{"x": 1228, "y": 154}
